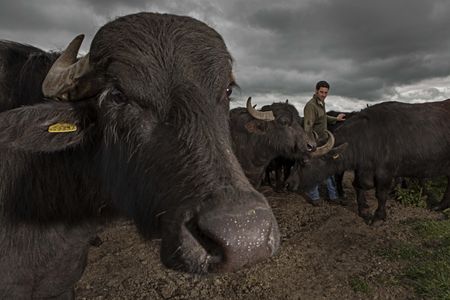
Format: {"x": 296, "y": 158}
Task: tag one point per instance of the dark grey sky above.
{"x": 369, "y": 51}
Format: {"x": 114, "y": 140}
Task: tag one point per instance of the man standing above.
{"x": 316, "y": 119}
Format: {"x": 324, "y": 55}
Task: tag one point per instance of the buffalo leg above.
{"x": 293, "y": 181}
{"x": 382, "y": 193}
{"x": 278, "y": 179}
{"x": 286, "y": 173}
{"x": 363, "y": 207}
{"x": 266, "y": 180}
{"x": 339, "y": 177}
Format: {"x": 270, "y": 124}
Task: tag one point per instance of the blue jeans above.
{"x": 331, "y": 187}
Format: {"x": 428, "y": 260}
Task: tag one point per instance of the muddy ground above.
{"x": 324, "y": 251}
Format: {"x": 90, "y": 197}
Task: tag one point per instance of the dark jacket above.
{"x": 315, "y": 117}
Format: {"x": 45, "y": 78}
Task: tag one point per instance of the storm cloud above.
{"x": 369, "y": 51}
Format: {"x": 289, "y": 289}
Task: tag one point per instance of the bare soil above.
{"x": 325, "y": 252}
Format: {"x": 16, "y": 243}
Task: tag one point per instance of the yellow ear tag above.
{"x": 336, "y": 156}
{"x": 62, "y": 127}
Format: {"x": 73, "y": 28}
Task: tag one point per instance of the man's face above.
{"x": 322, "y": 93}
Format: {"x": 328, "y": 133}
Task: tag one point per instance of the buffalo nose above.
{"x": 239, "y": 237}
{"x": 233, "y": 229}
{"x": 311, "y": 147}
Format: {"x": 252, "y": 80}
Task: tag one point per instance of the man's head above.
{"x": 322, "y": 88}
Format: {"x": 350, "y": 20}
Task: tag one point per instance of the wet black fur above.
{"x": 257, "y": 147}
{"x": 385, "y": 141}
{"x": 154, "y": 145}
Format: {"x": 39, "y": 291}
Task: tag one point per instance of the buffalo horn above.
{"x": 322, "y": 150}
{"x": 62, "y": 77}
{"x": 257, "y": 114}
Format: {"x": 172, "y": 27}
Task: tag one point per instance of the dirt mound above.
{"x": 325, "y": 251}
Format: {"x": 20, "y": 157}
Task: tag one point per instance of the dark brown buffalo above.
{"x": 139, "y": 127}
{"x": 383, "y": 142}
{"x": 259, "y": 136}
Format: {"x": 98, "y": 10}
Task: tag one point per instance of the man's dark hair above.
{"x": 322, "y": 84}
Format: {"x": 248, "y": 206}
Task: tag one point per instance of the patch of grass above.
{"x": 411, "y": 196}
{"x": 435, "y": 189}
{"x": 421, "y": 194}
{"x": 427, "y": 260}
{"x": 400, "y": 251}
{"x": 429, "y": 230}
{"x": 359, "y": 285}
{"x": 430, "y": 277}
{"x": 446, "y": 212}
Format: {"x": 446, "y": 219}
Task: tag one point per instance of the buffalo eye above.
{"x": 229, "y": 91}
{"x": 230, "y": 87}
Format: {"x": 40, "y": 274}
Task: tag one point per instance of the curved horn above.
{"x": 316, "y": 136}
{"x": 260, "y": 115}
{"x": 63, "y": 75}
{"x": 322, "y": 150}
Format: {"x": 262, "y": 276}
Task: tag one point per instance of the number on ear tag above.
{"x": 62, "y": 127}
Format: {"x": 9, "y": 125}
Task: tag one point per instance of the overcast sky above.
{"x": 368, "y": 50}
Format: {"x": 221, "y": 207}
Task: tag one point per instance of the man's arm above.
{"x": 332, "y": 120}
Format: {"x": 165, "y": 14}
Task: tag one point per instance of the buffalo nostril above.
{"x": 214, "y": 253}
{"x": 310, "y": 147}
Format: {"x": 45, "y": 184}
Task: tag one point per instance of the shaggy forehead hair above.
{"x": 163, "y": 50}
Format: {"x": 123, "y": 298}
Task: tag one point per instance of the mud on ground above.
{"x": 323, "y": 250}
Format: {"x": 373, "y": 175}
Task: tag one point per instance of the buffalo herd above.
{"x": 141, "y": 127}
{"x": 383, "y": 142}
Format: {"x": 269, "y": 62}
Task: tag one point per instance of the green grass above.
{"x": 421, "y": 195}
{"x": 401, "y": 251}
{"x": 426, "y": 259}
{"x": 359, "y": 285}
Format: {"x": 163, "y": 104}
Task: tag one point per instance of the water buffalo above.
{"x": 259, "y": 136}
{"x": 138, "y": 126}
{"x": 281, "y": 166}
{"x": 382, "y": 142}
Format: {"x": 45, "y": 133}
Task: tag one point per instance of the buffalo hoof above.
{"x": 380, "y": 215}
{"x": 367, "y": 218}
{"x": 377, "y": 219}
{"x": 365, "y": 214}
{"x": 376, "y": 222}
{"x": 371, "y": 221}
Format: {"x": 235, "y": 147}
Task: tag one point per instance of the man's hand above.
{"x": 341, "y": 117}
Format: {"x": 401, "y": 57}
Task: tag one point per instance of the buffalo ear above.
{"x": 337, "y": 152}
{"x": 256, "y": 127}
{"x": 45, "y": 127}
